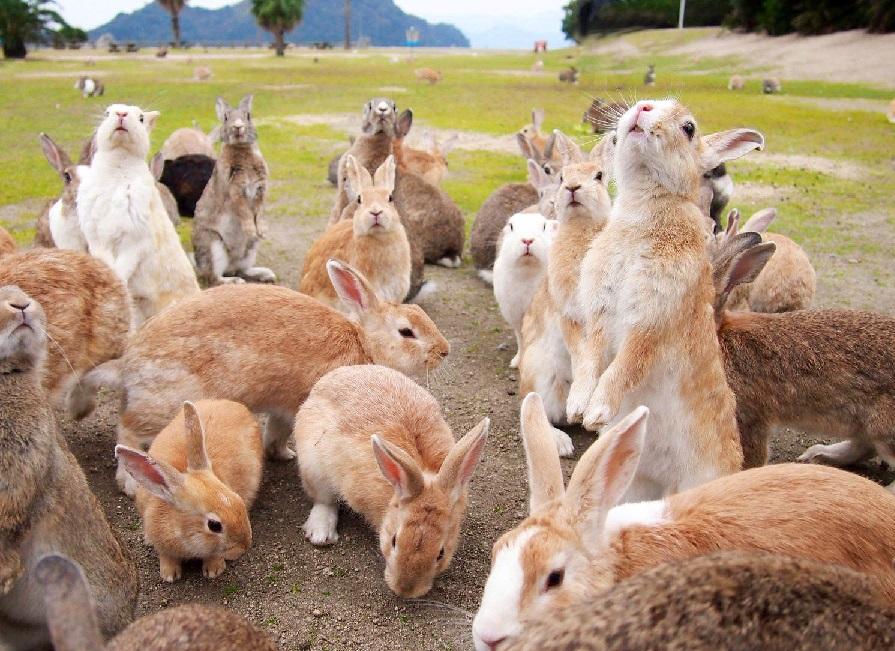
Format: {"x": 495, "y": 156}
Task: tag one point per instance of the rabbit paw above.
{"x": 514, "y": 363}
{"x": 576, "y": 403}
{"x": 169, "y": 569}
{"x": 598, "y": 414}
{"x": 259, "y": 275}
{"x": 320, "y": 527}
{"x": 230, "y": 280}
{"x": 839, "y": 454}
{"x": 280, "y": 452}
{"x": 213, "y": 567}
{"x": 10, "y": 569}
{"x": 564, "y": 444}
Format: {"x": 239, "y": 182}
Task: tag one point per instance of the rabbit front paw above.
{"x": 169, "y": 569}
{"x": 213, "y": 567}
{"x": 598, "y": 413}
{"x": 564, "y": 444}
{"x": 576, "y": 403}
{"x": 320, "y": 527}
{"x": 230, "y": 280}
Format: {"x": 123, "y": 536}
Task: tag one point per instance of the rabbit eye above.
{"x": 599, "y": 176}
{"x": 66, "y": 177}
{"x": 560, "y": 178}
{"x": 248, "y": 117}
{"x": 615, "y": 139}
{"x": 555, "y": 578}
{"x": 689, "y": 128}
{"x": 214, "y": 526}
{"x": 407, "y": 333}
{"x": 141, "y": 117}
{"x": 394, "y": 541}
{"x": 391, "y": 198}
{"x": 441, "y": 554}
{"x": 358, "y": 200}
{"x": 510, "y": 224}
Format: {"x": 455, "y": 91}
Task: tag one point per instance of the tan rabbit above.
{"x": 157, "y": 167}
{"x": 71, "y": 614}
{"x": 540, "y": 143}
{"x": 428, "y": 74}
{"x": 577, "y": 541}
{"x": 736, "y": 82}
{"x": 46, "y": 505}
{"x": 647, "y": 292}
{"x": 825, "y": 371}
{"x": 292, "y": 340}
{"x": 185, "y": 142}
{"x": 373, "y": 438}
{"x": 197, "y": 484}
{"x": 58, "y": 224}
{"x": 87, "y": 306}
{"x": 373, "y": 242}
{"x": 7, "y": 244}
{"x": 431, "y": 165}
{"x": 726, "y": 601}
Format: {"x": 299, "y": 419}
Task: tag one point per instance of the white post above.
{"x": 680, "y": 16}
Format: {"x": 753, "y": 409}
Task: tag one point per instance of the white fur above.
{"x": 519, "y": 268}
{"x": 550, "y": 358}
{"x": 427, "y": 289}
{"x": 65, "y": 229}
{"x": 633, "y": 514}
{"x": 123, "y": 219}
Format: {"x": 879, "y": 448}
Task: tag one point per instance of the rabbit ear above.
{"x": 760, "y": 221}
{"x": 728, "y": 145}
{"x": 568, "y": 150}
{"x": 158, "y": 477}
{"x": 525, "y": 147}
{"x": 221, "y": 107}
{"x": 733, "y": 223}
{"x": 537, "y": 118}
{"x": 157, "y": 166}
{"x": 196, "y": 456}
{"x": 245, "y": 104}
{"x": 354, "y": 290}
{"x": 385, "y": 175}
{"x": 545, "y": 482}
{"x": 746, "y": 266}
{"x": 405, "y": 121}
{"x": 57, "y": 158}
{"x": 71, "y": 610}
{"x": 398, "y": 468}
{"x": 603, "y": 474}
{"x": 448, "y": 145}
{"x": 357, "y": 175}
{"x": 149, "y": 119}
{"x": 461, "y": 462}
{"x": 548, "y": 146}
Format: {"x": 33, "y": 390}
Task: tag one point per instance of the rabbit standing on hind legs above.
{"x": 229, "y": 223}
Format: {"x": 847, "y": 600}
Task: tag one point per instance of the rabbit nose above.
{"x": 21, "y": 305}
{"x": 121, "y": 114}
{"x": 573, "y": 188}
{"x": 527, "y": 242}
{"x": 376, "y": 213}
{"x": 646, "y": 107}
{"x": 382, "y": 107}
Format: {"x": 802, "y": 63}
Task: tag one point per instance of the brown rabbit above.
{"x": 88, "y": 311}
{"x": 428, "y": 74}
{"x": 826, "y": 371}
{"x": 46, "y": 505}
{"x": 602, "y": 116}
{"x": 431, "y": 165}
{"x": 539, "y": 143}
{"x": 373, "y": 242}
{"x": 569, "y": 75}
{"x": 71, "y": 614}
{"x": 727, "y": 601}
{"x": 199, "y": 350}
{"x": 196, "y": 486}
{"x": 157, "y": 167}
{"x": 7, "y": 244}
{"x": 58, "y": 224}
{"x": 185, "y": 142}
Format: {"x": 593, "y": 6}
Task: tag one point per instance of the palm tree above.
{"x": 174, "y": 7}
{"x": 24, "y": 21}
{"x": 278, "y": 17}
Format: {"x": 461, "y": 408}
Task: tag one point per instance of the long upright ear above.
{"x": 536, "y": 175}
{"x": 196, "y": 455}
{"x": 159, "y": 478}
{"x": 405, "y": 121}
{"x": 71, "y": 610}
{"x": 354, "y": 290}
{"x": 537, "y": 119}
{"x": 88, "y": 150}
{"x": 245, "y": 104}
{"x": 150, "y": 118}
{"x": 569, "y": 151}
{"x": 549, "y": 145}
{"x": 733, "y": 224}
{"x": 461, "y": 462}
{"x": 157, "y": 166}
{"x": 398, "y": 468}
{"x": 358, "y": 177}
{"x": 448, "y": 145}
{"x": 604, "y": 473}
{"x": 759, "y": 222}
{"x": 221, "y": 107}
{"x": 385, "y": 175}
{"x": 57, "y": 158}
{"x": 525, "y": 147}
{"x": 728, "y": 145}
{"x": 545, "y": 482}
{"x": 745, "y": 266}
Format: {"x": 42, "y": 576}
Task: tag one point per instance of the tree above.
{"x": 174, "y": 7}
{"x": 278, "y": 17}
{"x": 24, "y": 21}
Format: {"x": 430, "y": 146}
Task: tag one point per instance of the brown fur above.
{"x": 788, "y": 282}
{"x": 736, "y": 82}
{"x": 491, "y": 218}
{"x": 431, "y": 166}
{"x": 724, "y": 601}
{"x": 428, "y": 74}
{"x": 60, "y": 161}
{"x": 7, "y": 244}
{"x": 88, "y": 311}
{"x": 42, "y": 235}
{"x": 186, "y": 141}
{"x": 601, "y": 115}
{"x": 431, "y": 218}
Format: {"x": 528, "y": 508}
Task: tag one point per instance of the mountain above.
{"x": 512, "y": 32}
{"x": 379, "y": 20}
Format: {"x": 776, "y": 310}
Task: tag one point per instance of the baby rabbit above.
{"x": 229, "y": 223}
{"x": 46, "y": 505}
{"x": 7, "y": 244}
{"x": 728, "y": 600}
{"x": 71, "y": 615}
{"x": 197, "y": 484}
{"x": 576, "y": 541}
{"x": 88, "y": 312}
{"x": 373, "y": 438}
{"x": 58, "y": 226}
{"x": 197, "y": 350}
{"x": 647, "y": 291}
{"x": 520, "y": 268}
{"x": 143, "y": 250}
{"x": 373, "y": 242}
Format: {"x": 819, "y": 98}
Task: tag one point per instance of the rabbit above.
{"x": 373, "y": 438}
{"x": 186, "y": 178}
{"x": 430, "y": 165}
{"x": 725, "y": 601}
{"x": 570, "y": 75}
{"x": 202, "y": 73}
{"x": 196, "y": 486}
{"x": 229, "y": 223}
{"x": 577, "y": 540}
{"x": 649, "y": 79}
{"x": 162, "y": 52}
{"x": 771, "y": 85}
{"x": 90, "y": 87}
{"x": 537, "y": 66}
{"x": 87, "y": 307}
{"x": 188, "y": 141}
{"x": 71, "y": 615}
{"x": 59, "y": 225}
{"x": 787, "y": 282}
{"x": 373, "y": 242}
{"x": 827, "y": 371}
{"x": 541, "y": 144}
{"x": 197, "y": 350}
{"x": 716, "y": 188}
{"x": 428, "y": 74}
{"x": 520, "y": 268}
{"x": 736, "y": 83}
{"x": 157, "y": 166}
{"x": 7, "y": 243}
{"x": 46, "y": 505}
{"x": 647, "y": 292}
{"x": 601, "y": 116}
{"x": 143, "y": 250}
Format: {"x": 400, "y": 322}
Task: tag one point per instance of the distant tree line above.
{"x": 775, "y": 17}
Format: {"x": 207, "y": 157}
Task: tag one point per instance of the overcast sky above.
{"x": 90, "y": 13}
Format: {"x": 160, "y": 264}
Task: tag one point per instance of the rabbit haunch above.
{"x": 144, "y": 250}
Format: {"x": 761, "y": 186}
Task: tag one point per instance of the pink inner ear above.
{"x": 392, "y": 470}
{"x": 145, "y": 467}
{"x": 350, "y": 286}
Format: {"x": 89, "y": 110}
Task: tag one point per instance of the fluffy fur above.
{"x": 188, "y": 141}
{"x": 196, "y": 485}
{"x": 736, "y": 82}
{"x": 187, "y": 177}
{"x": 46, "y": 505}
{"x": 157, "y": 166}
{"x": 541, "y": 145}
{"x": 428, "y": 74}
{"x": 144, "y": 249}
{"x": 373, "y": 438}
{"x": 58, "y": 225}
{"x": 430, "y": 165}
{"x": 7, "y": 244}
